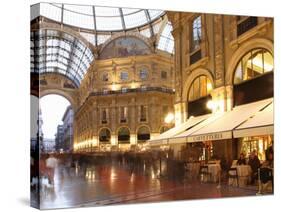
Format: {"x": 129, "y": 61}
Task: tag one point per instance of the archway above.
{"x": 242, "y": 50}
{"x": 104, "y": 135}
{"x": 56, "y": 123}
{"x": 123, "y": 135}
{"x": 143, "y": 134}
{"x": 198, "y": 96}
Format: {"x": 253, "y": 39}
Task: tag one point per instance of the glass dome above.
{"x": 96, "y": 17}
{"x": 58, "y": 52}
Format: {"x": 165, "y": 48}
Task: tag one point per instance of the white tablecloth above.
{"x": 214, "y": 170}
{"x": 244, "y": 175}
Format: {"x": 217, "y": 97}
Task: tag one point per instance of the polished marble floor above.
{"x": 119, "y": 183}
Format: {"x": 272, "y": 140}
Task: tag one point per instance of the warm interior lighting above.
{"x": 133, "y": 85}
{"x": 210, "y": 105}
{"x": 209, "y": 87}
{"x": 114, "y": 87}
{"x": 169, "y": 118}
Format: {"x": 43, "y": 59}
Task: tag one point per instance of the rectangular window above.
{"x": 143, "y": 74}
{"x": 143, "y": 110}
{"x": 104, "y": 116}
{"x": 196, "y": 34}
{"x": 123, "y": 114}
{"x": 124, "y": 76}
{"x": 164, "y": 74}
{"x": 105, "y": 77}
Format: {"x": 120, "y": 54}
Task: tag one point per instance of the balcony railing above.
{"x": 246, "y": 25}
{"x": 134, "y": 90}
{"x": 194, "y": 57}
{"x": 123, "y": 120}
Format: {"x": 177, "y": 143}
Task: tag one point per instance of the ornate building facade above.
{"x": 124, "y": 74}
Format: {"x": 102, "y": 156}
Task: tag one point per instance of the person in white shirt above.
{"x": 51, "y": 164}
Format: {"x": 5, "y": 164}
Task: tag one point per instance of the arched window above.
{"x": 104, "y": 135}
{"x": 200, "y": 87}
{"x": 143, "y": 134}
{"x": 143, "y": 74}
{"x": 123, "y": 135}
{"x": 253, "y": 64}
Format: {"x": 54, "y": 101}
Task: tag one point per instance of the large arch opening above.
{"x": 56, "y": 115}
{"x": 143, "y": 134}
{"x": 198, "y": 96}
{"x": 104, "y": 136}
{"x": 124, "y": 135}
{"x": 253, "y": 73}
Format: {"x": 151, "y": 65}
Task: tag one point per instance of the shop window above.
{"x": 104, "y": 135}
{"x": 255, "y": 63}
{"x": 105, "y": 91}
{"x": 124, "y": 135}
{"x": 143, "y": 87}
{"x": 124, "y": 89}
{"x": 257, "y": 143}
{"x": 143, "y": 134}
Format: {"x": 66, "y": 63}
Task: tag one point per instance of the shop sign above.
{"x": 210, "y": 137}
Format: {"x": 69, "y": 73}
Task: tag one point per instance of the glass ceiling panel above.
{"x": 107, "y": 11}
{"x": 135, "y": 19}
{"x": 155, "y": 14}
{"x": 166, "y": 41}
{"x": 60, "y": 53}
{"x": 109, "y": 23}
{"x": 107, "y": 18}
{"x": 82, "y": 9}
{"x": 51, "y": 11}
{"x": 78, "y": 19}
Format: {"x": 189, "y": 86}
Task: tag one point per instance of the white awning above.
{"x": 182, "y": 137}
{"x": 222, "y": 127}
{"x": 260, "y": 124}
{"x": 163, "y": 138}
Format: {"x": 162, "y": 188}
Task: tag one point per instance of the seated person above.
{"x": 254, "y": 162}
{"x": 241, "y": 160}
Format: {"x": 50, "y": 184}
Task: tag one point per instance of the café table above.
{"x": 215, "y": 171}
{"x": 244, "y": 175}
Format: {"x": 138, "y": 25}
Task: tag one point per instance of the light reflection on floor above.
{"x": 115, "y": 184}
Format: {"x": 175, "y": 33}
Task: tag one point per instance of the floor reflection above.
{"x": 115, "y": 183}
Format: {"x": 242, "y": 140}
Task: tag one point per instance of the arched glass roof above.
{"x": 96, "y": 17}
{"x": 166, "y": 41}
{"x": 58, "y": 52}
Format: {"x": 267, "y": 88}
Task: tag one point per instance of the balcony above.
{"x": 246, "y": 24}
{"x": 123, "y": 120}
{"x": 195, "y": 56}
